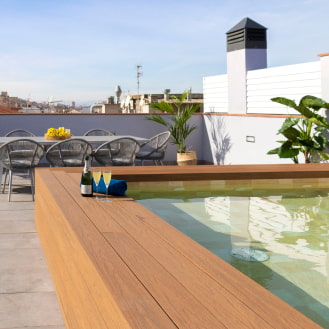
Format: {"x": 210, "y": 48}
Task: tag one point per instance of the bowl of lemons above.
{"x": 57, "y": 133}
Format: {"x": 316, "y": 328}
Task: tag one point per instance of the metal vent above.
{"x": 235, "y": 37}
{"x": 256, "y": 35}
{"x": 246, "y": 39}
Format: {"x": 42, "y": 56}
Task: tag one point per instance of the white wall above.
{"x": 215, "y": 95}
{"x": 324, "y": 59}
{"x": 227, "y": 137}
{"x": 236, "y": 81}
{"x": 291, "y": 81}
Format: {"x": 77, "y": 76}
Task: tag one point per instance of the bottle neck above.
{"x": 87, "y": 166}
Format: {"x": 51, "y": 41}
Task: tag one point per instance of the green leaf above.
{"x": 322, "y": 141}
{"x": 291, "y": 133}
{"x": 311, "y": 101}
{"x": 274, "y": 151}
{"x": 323, "y": 155}
{"x": 309, "y": 143}
{"x": 319, "y": 120}
{"x": 305, "y": 111}
{"x": 287, "y": 151}
{"x": 289, "y": 122}
{"x": 158, "y": 119}
{"x": 284, "y": 101}
{"x": 163, "y": 107}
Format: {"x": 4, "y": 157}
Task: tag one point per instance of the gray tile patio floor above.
{"x": 27, "y": 295}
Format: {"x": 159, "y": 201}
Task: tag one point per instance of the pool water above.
{"x": 274, "y": 231}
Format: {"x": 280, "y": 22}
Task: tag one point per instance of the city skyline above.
{"x": 80, "y": 50}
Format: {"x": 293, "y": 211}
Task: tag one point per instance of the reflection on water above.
{"x": 291, "y": 228}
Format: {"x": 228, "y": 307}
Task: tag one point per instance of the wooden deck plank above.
{"x": 126, "y": 301}
{"x": 79, "y": 307}
{"x": 153, "y": 250}
{"x": 70, "y": 284}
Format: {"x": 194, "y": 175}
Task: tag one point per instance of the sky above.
{"x": 80, "y": 50}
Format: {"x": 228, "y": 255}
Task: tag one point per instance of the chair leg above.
{"x": 2, "y": 171}
{"x": 5, "y": 181}
{"x": 10, "y": 184}
{"x": 31, "y": 174}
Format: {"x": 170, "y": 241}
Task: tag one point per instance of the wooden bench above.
{"x": 118, "y": 265}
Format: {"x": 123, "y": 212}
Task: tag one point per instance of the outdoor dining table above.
{"x": 91, "y": 139}
{"x": 48, "y": 142}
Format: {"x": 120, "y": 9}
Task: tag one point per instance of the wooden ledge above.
{"x": 211, "y": 172}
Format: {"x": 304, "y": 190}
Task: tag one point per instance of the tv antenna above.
{"x": 139, "y": 74}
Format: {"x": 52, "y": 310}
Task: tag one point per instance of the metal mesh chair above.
{"x": 68, "y": 153}
{"x": 119, "y": 152}
{"x": 20, "y": 155}
{"x": 19, "y": 133}
{"x": 154, "y": 149}
{"x": 98, "y": 132}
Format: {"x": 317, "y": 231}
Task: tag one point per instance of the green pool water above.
{"x": 284, "y": 222}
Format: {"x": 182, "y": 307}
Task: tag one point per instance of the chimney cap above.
{"x": 246, "y": 35}
{"x": 246, "y": 23}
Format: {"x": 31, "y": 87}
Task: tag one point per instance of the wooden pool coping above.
{"x": 209, "y": 172}
{"x": 118, "y": 265}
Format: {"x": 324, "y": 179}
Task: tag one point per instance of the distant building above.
{"x": 141, "y": 103}
{"x": 6, "y": 110}
{"x": 10, "y": 102}
{"x": 107, "y": 107}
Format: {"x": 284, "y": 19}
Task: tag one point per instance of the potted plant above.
{"x": 304, "y": 135}
{"x": 177, "y": 124}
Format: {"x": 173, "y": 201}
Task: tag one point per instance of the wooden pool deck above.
{"x": 118, "y": 265}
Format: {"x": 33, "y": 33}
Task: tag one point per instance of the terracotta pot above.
{"x": 188, "y": 158}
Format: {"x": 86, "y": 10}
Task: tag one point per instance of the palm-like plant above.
{"x": 304, "y": 135}
{"x": 177, "y": 124}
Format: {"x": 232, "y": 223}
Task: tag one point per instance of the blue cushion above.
{"x": 117, "y": 187}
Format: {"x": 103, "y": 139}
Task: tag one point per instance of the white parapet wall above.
{"x": 291, "y": 81}
{"x": 215, "y": 94}
{"x": 237, "y": 139}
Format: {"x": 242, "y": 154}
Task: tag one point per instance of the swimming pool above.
{"x": 285, "y": 222}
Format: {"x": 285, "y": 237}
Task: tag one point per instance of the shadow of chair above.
{"x": 154, "y": 149}
{"x": 19, "y": 133}
{"x": 68, "y": 153}
{"x": 19, "y": 156}
{"x": 119, "y": 152}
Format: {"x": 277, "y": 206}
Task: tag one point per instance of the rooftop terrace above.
{"x": 27, "y": 296}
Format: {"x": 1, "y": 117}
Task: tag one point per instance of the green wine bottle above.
{"x": 86, "y": 186}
